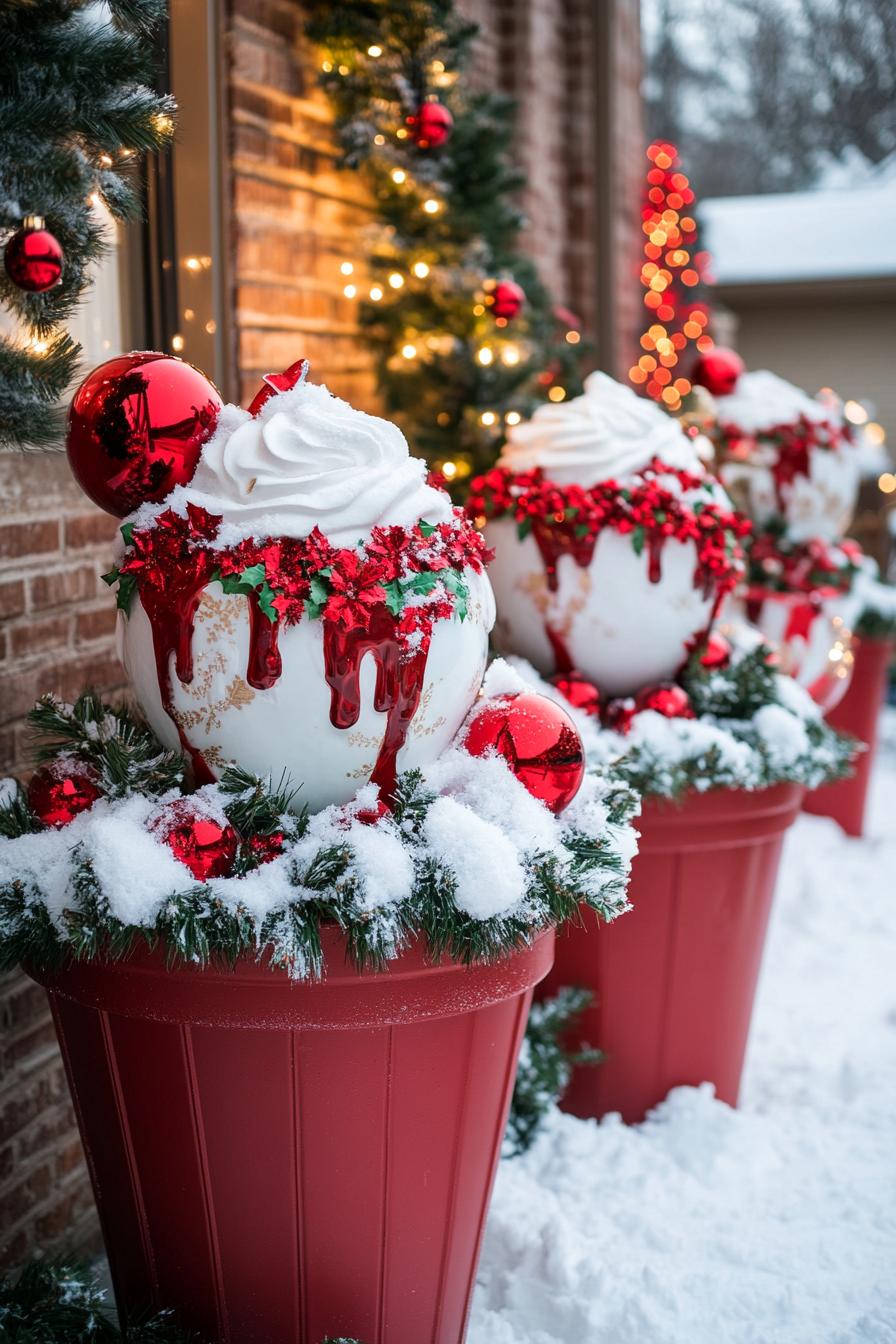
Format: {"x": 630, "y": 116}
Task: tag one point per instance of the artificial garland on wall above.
{"x": 467, "y": 339}
{"x": 106, "y": 851}
{"x": 77, "y": 106}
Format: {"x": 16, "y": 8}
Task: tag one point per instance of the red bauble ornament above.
{"x": 201, "y": 844}
{"x": 718, "y": 371}
{"x": 580, "y": 692}
{"x": 619, "y": 714}
{"x": 669, "y": 700}
{"x": 431, "y": 127}
{"x": 61, "y": 789}
{"x": 33, "y": 257}
{"x": 507, "y": 299}
{"x": 136, "y": 428}
{"x": 539, "y": 742}
{"x": 264, "y": 848}
{"x": 717, "y": 652}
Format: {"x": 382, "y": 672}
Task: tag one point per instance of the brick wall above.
{"x": 294, "y": 220}
{"x": 57, "y": 623}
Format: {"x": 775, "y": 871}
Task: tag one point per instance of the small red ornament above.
{"x": 201, "y": 844}
{"x": 669, "y": 700}
{"x": 263, "y": 848}
{"x": 33, "y": 257}
{"x": 61, "y": 789}
{"x": 619, "y": 714}
{"x": 717, "y": 652}
{"x": 279, "y": 382}
{"x": 539, "y": 742}
{"x": 580, "y": 692}
{"x": 507, "y": 298}
{"x": 718, "y": 371}
{"x": 136, "y": 428}
{"x": 431, "y": 127}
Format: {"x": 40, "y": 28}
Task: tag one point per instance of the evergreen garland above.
{"x": 424, "y": 281}
{"x": 545, "y": 1065}
{"x": 76, "y": 108}
{"x": 52, "y": 1302}
{"x": 876, "y": 624}
{"x": 195, "y": 924}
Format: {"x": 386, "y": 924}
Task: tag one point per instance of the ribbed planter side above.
{"x": 858, "y": 714}
{"x": 282, "y": 1161}
{"x": 674, "y": 980}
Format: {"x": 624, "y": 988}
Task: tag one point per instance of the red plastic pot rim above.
{"x": 717, "y": 818}
{"x": 252, "y": 995}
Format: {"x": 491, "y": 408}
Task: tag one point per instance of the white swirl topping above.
{"x": 608, "y": 432}
{"x": 762, "y": 400}
{"x": 310, "y": 460}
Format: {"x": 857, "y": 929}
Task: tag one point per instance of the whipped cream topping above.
{"x": 310, "y": 460}
{"x": 762, "y": 400}
{"x": 608, "y": 432}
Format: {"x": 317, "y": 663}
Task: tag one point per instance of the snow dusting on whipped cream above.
{"x": 762, "y": 400}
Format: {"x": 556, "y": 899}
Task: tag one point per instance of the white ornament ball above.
{"x": 287, "y": 727}
{"x": 820, "y": 504}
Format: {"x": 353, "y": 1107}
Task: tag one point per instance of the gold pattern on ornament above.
{"x": 218, "y": 615}
{"x": 210, "y": 715}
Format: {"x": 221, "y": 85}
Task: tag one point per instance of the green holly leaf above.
{"x": 112, "y": 577}
{"x": 394, "y": 597}
{"x": 126, "y": 588}
{"x": 320, "y": 590}
{"x": 427, "y": 528}
{"x": 639, "y": 536}
{"x": 127, "y": 531}
{"x": 524, "y": 528}
{"x": 266, "y": 596}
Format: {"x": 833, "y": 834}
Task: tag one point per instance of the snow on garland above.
{"x": 64, "y": 1303}
{"x": 749, "y": 727}
{"x": 877, "y": 619}
{"x": 467, "y": 858}
{"x": 803, "y": 567}
{"x": 545, "y": 1065}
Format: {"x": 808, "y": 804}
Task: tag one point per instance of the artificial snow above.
{"x": 771, "y": 1224}
{"x": 469, "y": 848}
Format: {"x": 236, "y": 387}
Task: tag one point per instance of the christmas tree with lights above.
{"x": 673, "y": 271}
{"x": 466, "y": 338}
{"x": 76, "y": 108}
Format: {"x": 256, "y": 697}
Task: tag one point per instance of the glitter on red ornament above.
{"x": 432, "y": 125}
{"x": 33, "y": 257}
{"x": 61, "y": 789}
{"x": 718, "y": 371}
{"x": 507, "y": 298}
{"x": 279, "y": 382}
{"x": 539, "y": 742}
{"x": 669, "y": 700}
{"x": 205, "y": 846}
{"x": 717, "y": 652}
{"x": 136, "y": 428}
{"x": 579, "y": 691}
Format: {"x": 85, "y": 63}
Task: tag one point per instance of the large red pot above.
{"x": 281, "y": 1161}
{"x": 858, "y": 713}
{"x": 674, "y": 980}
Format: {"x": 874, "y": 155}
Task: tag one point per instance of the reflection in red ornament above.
{"x": 580, "y": 692}
{"x": 33, "y": 257}
{"x": 716, "y": 653}
{"x": 669, "y": 700}
{"x": 431, "y": 127}
{"x": 507, "y": 298}
{"x": 205, "y": 846}
{"x": 136, "y": 428}
{"x": 61, "y": 789}
{"x": 718, "y": 371}
{"x": 539, "y": 742}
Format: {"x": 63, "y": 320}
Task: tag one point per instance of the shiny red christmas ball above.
{"x": 264, "y": 848}
{"x": 507, "y": 299}
{"x": 580, "y": 692}
{"x": 718, "y": 371}
{"x": 136, "y": 428}
{"x": 619, "y": 714}
{"x": 61, "y": 789}
{"x": 205, "y": 846}
{"x": 539, "y": 742}
{"x": 717, "y": 652}
{"x": 431, "y": 127}
{"x": 669, "y": 700}
{"x": 33, "y": 257}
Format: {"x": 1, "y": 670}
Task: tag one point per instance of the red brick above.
{"x": 98, "y": 623}
{"x": 58, "y": 587}
{"x": 39, "y": 635}
{"x": 37, "y": 537}
{"x": 89, "y": 529}
{"x": 12, "y": 598}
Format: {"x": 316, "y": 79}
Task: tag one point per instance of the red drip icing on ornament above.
{"x": 62, "y": 789}
{"x": 554, "y": 539}
{"x": 539, "y": 742}
{"x": 399, "y": 685}
{"x": 265, "y": 663}
{"x": 279, "y": 382}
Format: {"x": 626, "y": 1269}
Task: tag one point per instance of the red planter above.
{"x": 674, "y": 980}
{"x": 281, "y": 1161}
{"x": 858, "y": 713}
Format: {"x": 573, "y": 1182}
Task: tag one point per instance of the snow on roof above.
{"x": 806, "y": 235}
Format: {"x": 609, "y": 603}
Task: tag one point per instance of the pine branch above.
{"x": 545, "y": 1066}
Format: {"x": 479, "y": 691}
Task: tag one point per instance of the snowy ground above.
{"x": 774, "y": 1224}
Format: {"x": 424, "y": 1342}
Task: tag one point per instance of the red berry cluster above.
{"x": 415, "y": 573}
{"x": 803, "y": 568}
{"x": 646, "y": 506}
{"x": 794, "y": 441}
